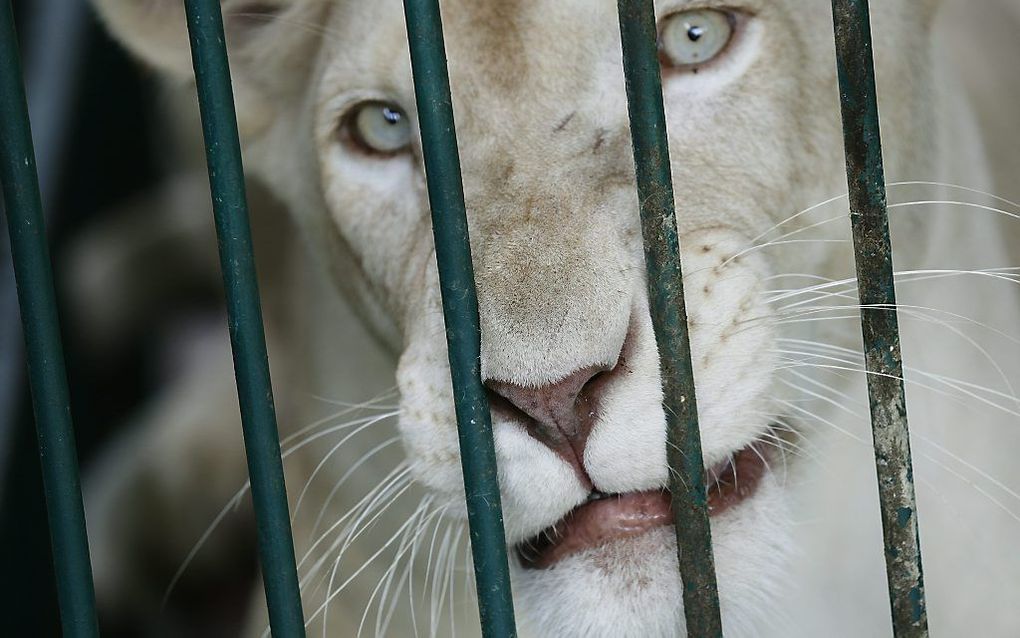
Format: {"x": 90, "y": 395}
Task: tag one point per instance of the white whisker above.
{"x": 311, "y": 477}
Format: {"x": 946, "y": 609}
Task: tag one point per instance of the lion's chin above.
{"x": 630, "y": 585}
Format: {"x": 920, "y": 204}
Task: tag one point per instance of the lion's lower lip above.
{"x": 619, "y": 516}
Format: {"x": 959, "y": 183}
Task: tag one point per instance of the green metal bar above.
{"x": 873, "y": 253}
{"x": 247, "y": 337}
{"x": 669, "y": 315}
{"x": 460, "y": 309}
{"x": 48, "y": 379}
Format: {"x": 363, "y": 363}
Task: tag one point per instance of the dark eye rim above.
{"x": 737, "y": 19}
{"x": 350, "y": 137}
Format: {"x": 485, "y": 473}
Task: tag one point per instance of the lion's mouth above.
{"x": 604, "y": 518}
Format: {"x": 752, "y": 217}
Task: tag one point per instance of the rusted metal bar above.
{"x": 669, "y": 316}
{"x": 460, "y": 312}
{"x": 873, "y": 253}
{"x": 244, "y": 318}
{"x": 47, "y": 377}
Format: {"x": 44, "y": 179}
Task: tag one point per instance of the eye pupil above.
{"x": 378, "y": 127}
{"x": 690, "y": 39}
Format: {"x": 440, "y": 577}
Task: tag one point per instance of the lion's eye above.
{"x": 688, "y": 39}
{"x": 379, "y": 127}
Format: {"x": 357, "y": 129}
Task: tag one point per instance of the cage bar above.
{"x": 460, "y": 310}
{"x": 47, "y": 376}
{"x": 873, "y": 255}
{"x": 247, "y": 336}
{"x": 669, "y": 315}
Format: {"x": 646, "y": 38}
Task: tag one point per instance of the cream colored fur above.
{"x": 542, "y": 124}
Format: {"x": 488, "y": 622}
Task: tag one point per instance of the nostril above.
{"x": 499, "y": 404}
{"x": 552, "y": 403}
{"x": 559, "y": 414}
{"x": 595, "y": 385}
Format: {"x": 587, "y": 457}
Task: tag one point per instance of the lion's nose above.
{"x": 559, "y": 414}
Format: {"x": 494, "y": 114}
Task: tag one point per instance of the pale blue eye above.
{"x": 690, "y": 38}
{"x": 381, "y": 127}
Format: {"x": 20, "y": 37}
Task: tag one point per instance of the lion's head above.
{"x": 328, "y": 117}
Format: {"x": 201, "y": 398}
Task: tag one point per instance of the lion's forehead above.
{"x": 505, "y": 58}
{"x": 541, "y": 109}
{"x": 513, "y": 47}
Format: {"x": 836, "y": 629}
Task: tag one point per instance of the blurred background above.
{"x": 105, "y": 152}
{"x": 134, "y": 254}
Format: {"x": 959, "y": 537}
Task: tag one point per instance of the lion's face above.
{"x": 568, "y": 352}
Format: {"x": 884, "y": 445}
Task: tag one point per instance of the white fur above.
{"x": 754, "y": 138}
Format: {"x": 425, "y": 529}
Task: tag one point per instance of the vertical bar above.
{"x": 873, "y": 254}
{"x": 669, "y": 315}
{"x": 460, "y": 309}
{"x": 48, "y": 379}
{"x": 251, "y": 364}
{"x": 50, "y": 84}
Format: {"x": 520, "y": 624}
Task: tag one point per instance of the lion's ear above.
{"x": 269, "y": 51}
{"x": 156, "y": 30}
{"x": 929, "y": 9}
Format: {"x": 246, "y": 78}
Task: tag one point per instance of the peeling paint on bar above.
{"x": 669, "y": 316}
{"x": 244, "y": 318}
{"x": 47, "y": 377}
{"x": 873, "y": 251}
{"x": 460, "y": 310}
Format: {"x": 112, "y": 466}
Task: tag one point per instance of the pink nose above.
{"x": 560, "y": 415}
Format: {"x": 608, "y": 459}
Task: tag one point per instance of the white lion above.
{"x": 327, "y": 113}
